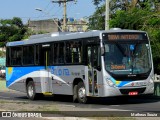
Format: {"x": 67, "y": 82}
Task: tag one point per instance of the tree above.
{"x": 11, "y": 30}
{"x": 130, "y": 4}
{"x": 97, "y": 20}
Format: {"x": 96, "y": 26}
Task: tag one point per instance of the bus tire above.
{"x": 81, "y": 93}
{"x": 31, "y": 92}
{"x": 75, "y": 93}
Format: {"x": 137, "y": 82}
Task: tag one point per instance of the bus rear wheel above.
{"x": 81, "y": 93}
{"x": 31, "y": 93}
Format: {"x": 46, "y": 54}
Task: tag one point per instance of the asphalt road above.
{"x": 101, "y": 104}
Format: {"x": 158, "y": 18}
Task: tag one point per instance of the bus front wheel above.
{"x": 31, "y": 93}
{"x": 81, "y": 93}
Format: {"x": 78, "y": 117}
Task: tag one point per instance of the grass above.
{"x": 3, "y": 85}
{"x": 26, "y": 106}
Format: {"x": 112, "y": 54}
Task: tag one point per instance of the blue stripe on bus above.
{"x": 120, "y": 83}
{"x": 13, "y": 73}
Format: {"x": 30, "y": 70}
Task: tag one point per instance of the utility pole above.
{"x": 65, "y": 16}
{"x": 107, "y": 15}
{"x": 64, "y": 11}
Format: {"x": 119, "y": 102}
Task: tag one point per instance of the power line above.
{"x": 48, "y": 10}
{"x": 57, "y": 11}
{"x": 64, "y": 2}
{"x": 42, "y": 15}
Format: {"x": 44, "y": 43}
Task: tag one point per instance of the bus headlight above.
{"x": 110, "y": 83}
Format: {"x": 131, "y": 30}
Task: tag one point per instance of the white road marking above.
{"x": 68, "y": 105}
{"x": 110, "y": 109}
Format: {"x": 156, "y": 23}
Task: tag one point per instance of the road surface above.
{"x": 96, "y": 105}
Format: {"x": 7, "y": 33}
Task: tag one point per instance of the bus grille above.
{"x": 139, "y": 90}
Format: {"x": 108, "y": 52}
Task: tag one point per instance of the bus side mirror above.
{"x": 102, "y": 51}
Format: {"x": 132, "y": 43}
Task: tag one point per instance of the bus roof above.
{"x": 60, "y": 36}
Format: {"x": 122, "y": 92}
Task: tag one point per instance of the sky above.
{"x": 25, "y": 9}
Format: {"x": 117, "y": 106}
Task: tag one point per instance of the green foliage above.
{"x": 97, "y": 2}
{"x": 154, "y": 34}
{"x": 18, "y": 22}
{"x": 2, "y": 53}
{"x": 97, "y": 20}
{"x": 11, "y": 30}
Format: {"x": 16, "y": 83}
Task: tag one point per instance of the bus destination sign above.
{"x": 124, "y": 36}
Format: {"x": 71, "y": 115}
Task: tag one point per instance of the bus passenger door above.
{"x": 92, "y": 55}
{"x": 47, "y": 81}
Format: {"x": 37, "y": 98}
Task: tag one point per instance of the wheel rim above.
{"x": 30, "y": 90}
{"x": 82, "y": 93}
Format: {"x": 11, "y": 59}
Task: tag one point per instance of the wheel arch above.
{"x": 27, "y": 81}
{"x": 76, "y": 81}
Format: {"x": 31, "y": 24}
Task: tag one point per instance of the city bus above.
{"x": 97, "y": 63}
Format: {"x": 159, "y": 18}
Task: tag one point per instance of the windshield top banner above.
{"x": 124, "y": 36}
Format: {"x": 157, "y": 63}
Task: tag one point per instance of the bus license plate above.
{"x": 133, "y": 93}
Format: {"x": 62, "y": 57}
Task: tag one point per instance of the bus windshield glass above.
{"x": 127, "y": 58}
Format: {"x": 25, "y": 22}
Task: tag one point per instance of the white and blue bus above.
{"x": 83, "y": 64}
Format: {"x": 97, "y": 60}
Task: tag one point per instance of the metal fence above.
{"x": 157, "y": 85}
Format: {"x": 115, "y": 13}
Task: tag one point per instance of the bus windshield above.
{"x": 127, "y": 58}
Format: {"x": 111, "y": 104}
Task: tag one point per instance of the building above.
{"x": 80, "y": 25}
{"x": 44, "y": 26}
{"x": 47, "y": 26}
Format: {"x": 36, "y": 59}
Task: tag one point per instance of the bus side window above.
{"x": 73, "y": 52}
{"x": 55, "y": 46}
{"x": 36, "y": 54}
{"x": 16, "y": 56}
{"x": 58, "y": 53}
{"x": 41, "y": 55}
{"x": 68, "y": 56}
{"x": 61, "y": 53}
{"x": 8, "y": 59}
{"x": 28, "y": 55}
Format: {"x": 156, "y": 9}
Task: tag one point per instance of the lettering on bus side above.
{"x": 60, "y": 71}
